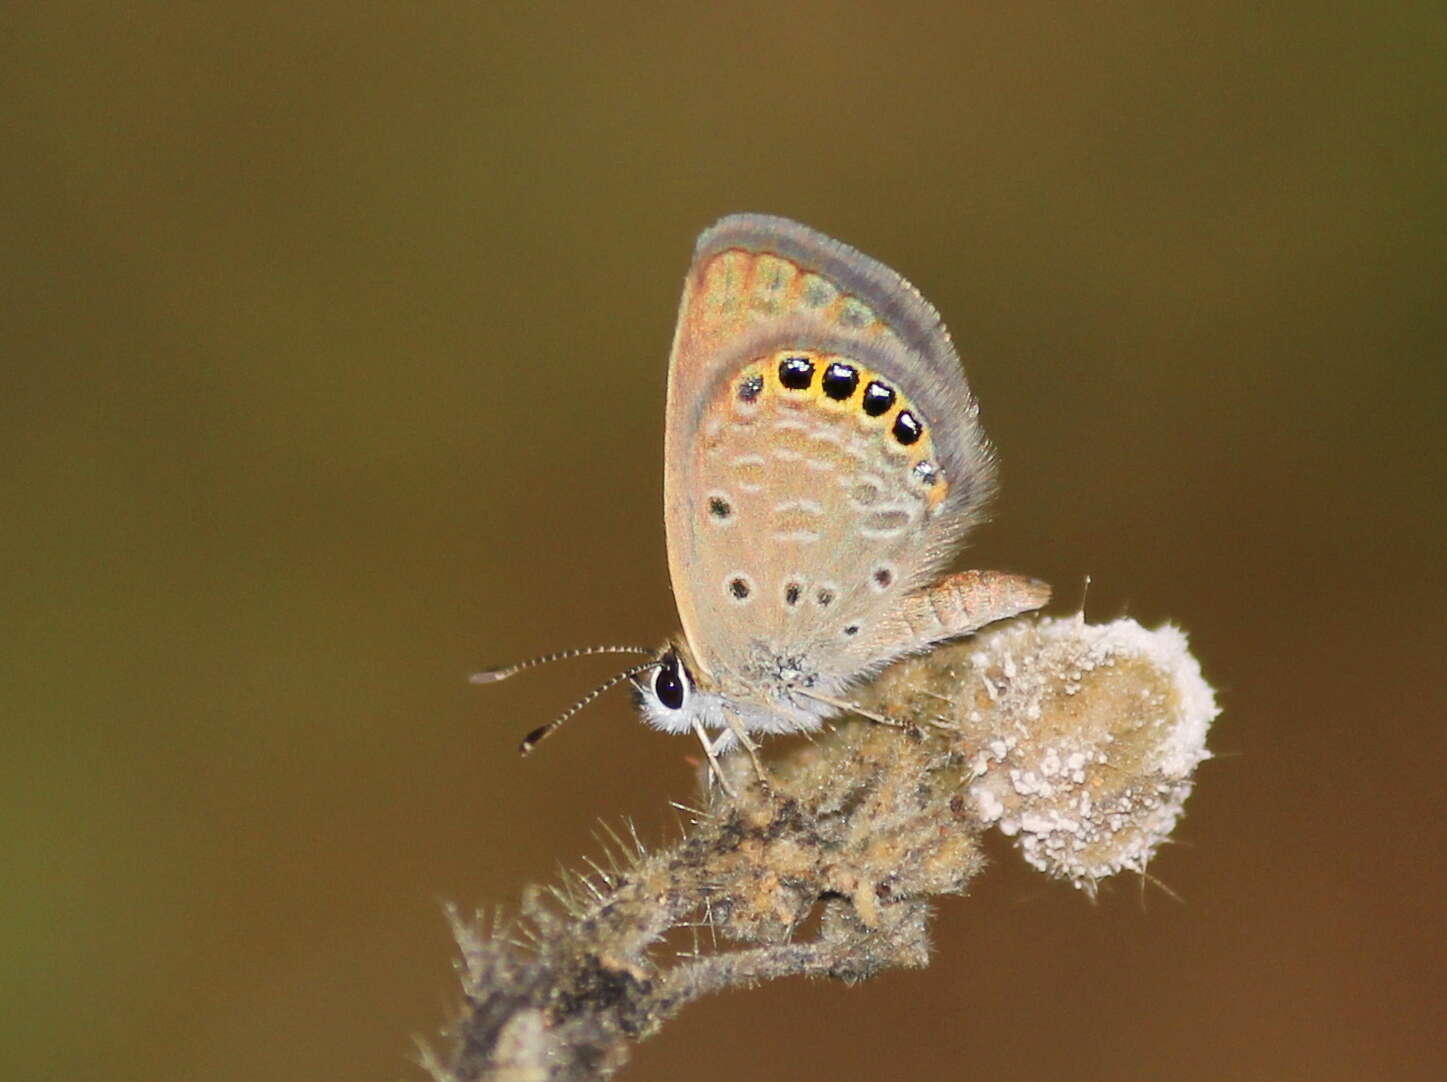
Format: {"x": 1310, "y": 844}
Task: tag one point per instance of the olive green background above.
{"x": 334, "y": 346}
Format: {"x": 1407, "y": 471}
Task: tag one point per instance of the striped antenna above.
{"x": 542, "y": 732}
{"x": 492, "y": 676}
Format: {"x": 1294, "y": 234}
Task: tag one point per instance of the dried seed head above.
{"x": 1081, "y": 739}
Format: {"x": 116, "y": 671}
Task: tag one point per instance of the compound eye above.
{"x": 668, "y": 684}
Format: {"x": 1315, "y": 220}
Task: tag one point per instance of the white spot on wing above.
{"x": 750, "y": 469}
{"x": 887, "y": 521}
{"x": 802, "y": 507}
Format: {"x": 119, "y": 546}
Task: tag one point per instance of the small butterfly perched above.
{"x": 823, "y": 461}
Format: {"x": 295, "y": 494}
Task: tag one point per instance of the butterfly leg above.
{"x": 709, "y": 750}
{"x": 736, "y": 727}
{"x": 864, "y": 712}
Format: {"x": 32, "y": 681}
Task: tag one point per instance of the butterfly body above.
{"x": 767, "y": 696}
{"x": 824, "y": 460}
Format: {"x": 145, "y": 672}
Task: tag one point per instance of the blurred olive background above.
{"x": 334, "y": 355}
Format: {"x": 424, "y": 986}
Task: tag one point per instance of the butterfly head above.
{"x": 676, "y": 694}
{"x": 772, "y": 694}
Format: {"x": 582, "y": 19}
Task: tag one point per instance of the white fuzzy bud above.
{"x": 1082, "y": 739}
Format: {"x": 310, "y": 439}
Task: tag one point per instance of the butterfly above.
{"x": 823, "y": 462}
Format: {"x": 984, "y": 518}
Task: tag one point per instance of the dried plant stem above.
{"x": 861, "y": 828}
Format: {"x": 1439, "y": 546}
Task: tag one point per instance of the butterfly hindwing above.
{"x": 824, "y": 457}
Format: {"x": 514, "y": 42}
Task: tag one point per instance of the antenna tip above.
{"x": 531, "y": 740}
{"x": 490, "y": 676}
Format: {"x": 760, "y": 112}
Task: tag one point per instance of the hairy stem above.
{"x": 1080, "y": 741}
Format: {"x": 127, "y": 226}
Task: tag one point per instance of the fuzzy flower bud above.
{"x": 1082, "y": 739}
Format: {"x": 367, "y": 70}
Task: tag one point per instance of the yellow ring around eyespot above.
{"x": 922, "y": 450}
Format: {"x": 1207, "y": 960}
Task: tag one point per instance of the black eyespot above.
{"x": 852, "y": 629}
{"x": 877, "y": 398}
{"x": 907, "y": 428}
{"x": 791, "y": 594}
{"x": 668, "y": 685}
{"x": 739, "y": 588}
{"x": 825, "y": 597}
{"x": 749, "y": 388}
{"x": 796, "y": 373}
{"x": 840, "y": 381}
{"x": 884, "y": 576}
{"x": 719, "y": 507}
{"x": 926, "y": 472}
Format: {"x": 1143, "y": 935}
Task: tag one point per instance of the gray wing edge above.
{"x": 913, "y": 319}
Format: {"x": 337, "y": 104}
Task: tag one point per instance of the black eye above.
{"x": 668, "y": 685}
